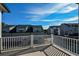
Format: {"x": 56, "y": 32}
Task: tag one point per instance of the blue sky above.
{"x": 45, "y": 14}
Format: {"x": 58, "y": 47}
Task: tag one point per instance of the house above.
{"x": 69, "y": 29}
{"x": 37, "y": 29}
{"x": 23, "y": 28}
{"x": 9, "y": 29}
{"x": 54, "y": 30}
{"x": 3, "y": 9}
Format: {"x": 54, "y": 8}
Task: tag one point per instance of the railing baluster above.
{"x": 71, "y": 45}
{"x": 6, "y": 43}
{"x": 3, "y": 43}
{"x": 14, "y": 42}
{"x": 9, "y": 42}
{"x": 66, "y": 44}
{"x": 76, "y": 46}
{"x": 21, "y": 41}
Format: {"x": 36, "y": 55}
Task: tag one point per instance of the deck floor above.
{"x": 38, "y": 53}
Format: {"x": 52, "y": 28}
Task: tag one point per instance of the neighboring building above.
{"x": 69, "y": 29}
{"x": 9, "y": 29}
{"x": 23, "y": 28}
{"x": 2, "y": 9}
{"x": 54, "y": 30}
{"x": 37, "y": 29}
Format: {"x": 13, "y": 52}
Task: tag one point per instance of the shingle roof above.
{"x": 71, "y": 24}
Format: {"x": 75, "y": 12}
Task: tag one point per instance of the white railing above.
{"x": 15, "y": 42}
{"x": 69, "y": 44}
{"x": 18, "y": 42}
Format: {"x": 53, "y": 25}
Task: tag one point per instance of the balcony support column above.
{"x": 52, "y": 38}
{"x": 0, "y": 31}
{"x": 32, "y": 38}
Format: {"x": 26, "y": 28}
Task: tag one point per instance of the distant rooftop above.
{"x": 71, "y": 24}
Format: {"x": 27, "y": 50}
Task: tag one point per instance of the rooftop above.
{"x": 3, "y": 8}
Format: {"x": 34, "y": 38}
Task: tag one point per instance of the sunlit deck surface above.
{"x": 50, "y": 51}
{"x": 38, "y": 53}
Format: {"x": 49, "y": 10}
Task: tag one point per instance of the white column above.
{"x": 32, "y": 40}
{"x": 0, "y": 23}
{"x": 0, "y": 31}
{"x": 52, "y": 37}
{"x": 58, "y": 31}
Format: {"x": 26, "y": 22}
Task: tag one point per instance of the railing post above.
{"x": 71, "y": 45}
{"x": 32, "y": 38}
{"x": 52, "y": 38}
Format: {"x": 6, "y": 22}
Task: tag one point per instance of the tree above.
{"x": 3, "y": 24}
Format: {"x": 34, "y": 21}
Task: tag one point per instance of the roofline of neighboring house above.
{"x": 53, "y": 26}
{"x": 4, "y": 8}
{"x": 70, "y": 23}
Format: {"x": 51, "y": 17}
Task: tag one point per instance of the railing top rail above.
{"x": 15, "y": 36}
{"x": 26, "y": 36}
{"x": 68, "y": 38}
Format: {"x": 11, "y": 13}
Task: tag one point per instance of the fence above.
{"x": 18, "y": 42}
{"x": 69, "y": 44}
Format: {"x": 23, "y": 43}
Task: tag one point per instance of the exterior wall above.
{"x": 65, "y": 30}
{"x": 54, "y": 30}
{"x": 6, "y": 29}
{"x": 37, "y": 29}
{"x": 21, "y": 29}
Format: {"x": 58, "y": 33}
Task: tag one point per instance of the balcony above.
{"x": 39, "y": 45}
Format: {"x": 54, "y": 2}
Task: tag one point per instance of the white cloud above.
{"x": 71, "y": 19}
{"x": 32, "y": 16}
{"x": 69, "y": 8}
{"x": 51, "y": 9}
{"x": 57, "y": 8}
{"x": 38, "y": 20}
